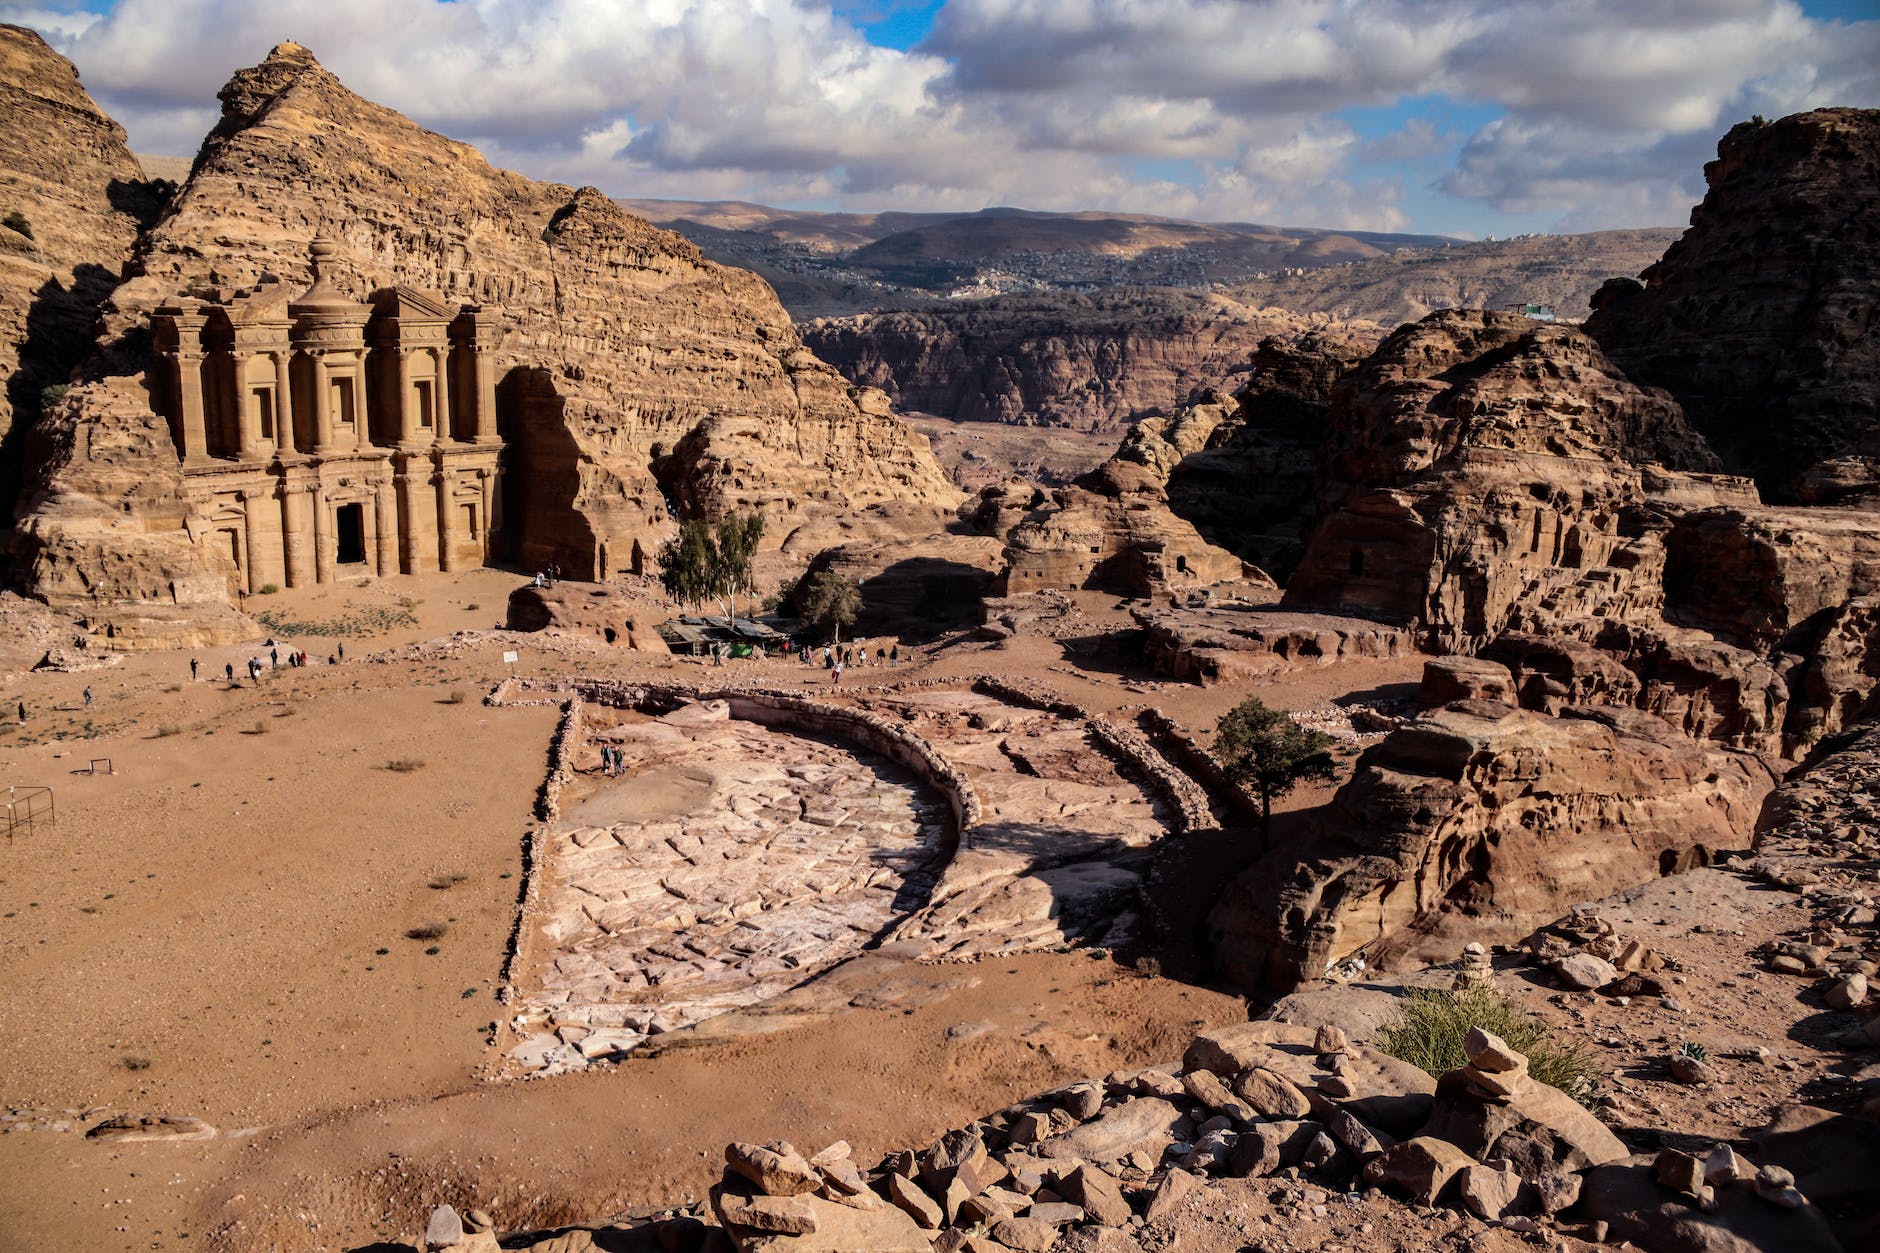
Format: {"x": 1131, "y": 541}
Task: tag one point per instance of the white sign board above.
{"x": 509, "y": 659}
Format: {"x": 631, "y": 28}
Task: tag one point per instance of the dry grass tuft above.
{"x": 1429, "y": 1029}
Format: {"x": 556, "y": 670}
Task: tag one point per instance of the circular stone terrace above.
{"x": 753, "y": 840}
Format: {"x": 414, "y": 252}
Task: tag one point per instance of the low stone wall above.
{"x": 771, "y": 707}
{"x": 1200, "y": 764}
{"x": 1176, "y": 789}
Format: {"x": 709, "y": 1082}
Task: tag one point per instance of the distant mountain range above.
{"x": 835, "y": 263}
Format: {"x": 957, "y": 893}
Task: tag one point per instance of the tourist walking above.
{"x": 894, "y": 657}
{"x": 274, "y": 658}
{"x": 192, "y": 669}
{"x": 835, "y": 673}
{"x": 22, "y": 711}
{"x": 88, "y": 697}
{"x": 342, "y": 650}
{"x": 229, "y": 670}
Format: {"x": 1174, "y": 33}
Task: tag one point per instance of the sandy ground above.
{"x": 219, "y": 930}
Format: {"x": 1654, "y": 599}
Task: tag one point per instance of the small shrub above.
{"x": 382, "y": 952}
{"x": 472, "y": 607}
{"x": 1429, "y": 1029}
{"x": 404, "y": 765}
{"x": 267, "y": 589}
{"x": 1696, "y": 1052}
{"x": 168, "y": 729}
{"x": 457, "y": 697}
{"x": 1149, "y": 966}
{"x": 429, "y": 931}
{"x": 173, "y": 687}
{"x": 442, "y": 882}
{"x": 259, "y": 728}
{"x": 136, "y": 1063}
{"x": 433, "y": 951}
{"x": 16, "y": 221}
{"x": 466, "y": 994}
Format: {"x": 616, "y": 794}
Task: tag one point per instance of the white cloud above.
{"x": 1607, "y": 108}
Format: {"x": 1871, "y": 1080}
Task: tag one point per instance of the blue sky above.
{"x": 1462, "y": 117}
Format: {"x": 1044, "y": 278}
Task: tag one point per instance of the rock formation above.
{"x": 1095, "y": 362}
{"x": 1477, "y": 822}
{"x": 1270, "y": 438}
{"x": 632, "y": 376}
{"x": 1112, "y": 529}
{"x": 1482, "y": 466}
{"x": 71, "y": 201}
{"x": 1759, "y": 320}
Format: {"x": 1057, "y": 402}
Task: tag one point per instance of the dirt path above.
{"x": 219, "y": 930}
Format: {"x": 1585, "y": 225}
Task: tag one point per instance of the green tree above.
{"x": 705, "y": 563}
{"x": 738, "y": 537}
{"x": 688, "y": 564}
{"x": 828, "y": 601}
{"x": 1265, "y": 751}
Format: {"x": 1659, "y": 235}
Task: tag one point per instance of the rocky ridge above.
{"x": 72, "y": 199}
{"x": 1087, "y": 362}
{"x": 676, "y": 383}
{"x": 1759, "y": 319}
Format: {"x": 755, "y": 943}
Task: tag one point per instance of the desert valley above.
{"x": 856, "y": 733}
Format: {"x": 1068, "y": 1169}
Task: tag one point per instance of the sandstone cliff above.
{"x": 1482, "y": 468}
{"x": 1088, "y": 362}
{"x": 71, "y": 201}
{"x": 1760, "y": 319}
{"x": 1478, "y": 822}
{"x": 636, "y": 377}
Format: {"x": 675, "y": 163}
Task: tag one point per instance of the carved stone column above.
{"x": 446, "y": 554}
{"x": 323, "y": 538}
{"x": 284, "y": 402}
{"x": 251, "y": 498}
{"x": 440, "y": 362}
{"x": 247, "y": 419}
{"x": 407, "y": 412}
{"x": 486, "y": 482}
{"x": 387, "y": 506}
{"x": 486, "y": 397}
{"x": 189, "y": 397}
{"x": 297, "y": 533}
{"x": 322, "y": 407}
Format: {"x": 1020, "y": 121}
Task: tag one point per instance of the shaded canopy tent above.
{"x": 695, "y": 635}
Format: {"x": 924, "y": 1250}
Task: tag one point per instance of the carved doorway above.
{"x": 349, "y": 525}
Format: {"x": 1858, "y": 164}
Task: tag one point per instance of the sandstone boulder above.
{"x": 1470, "y": 824}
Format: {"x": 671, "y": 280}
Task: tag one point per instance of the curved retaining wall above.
{"x": 1175, "y": 788}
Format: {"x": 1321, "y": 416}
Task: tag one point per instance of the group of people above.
{"x": 613, "y": 761}
{"x": 834, "y": 658}
{"x": 548, "y": 577}
{"x": 296, "y": 657}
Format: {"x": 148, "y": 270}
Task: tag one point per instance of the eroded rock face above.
{"x": 1092, "y": 362}
{"x": 1759, "y": 320}
{"x": 634, "y": 372}
{"x": 1476, "y": 822}
{"x": 66, "y": 170}
{"x": 106, "y": 516}
{"x": 1112, "y": 530}
{"x": 1483, "y": 469}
